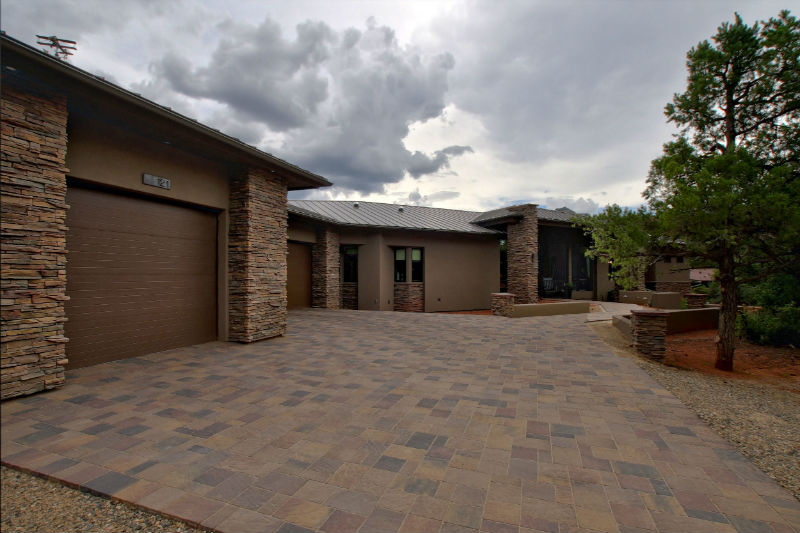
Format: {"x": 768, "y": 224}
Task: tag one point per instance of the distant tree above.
{"x": 623, "y": 236}
{"x": 727, "y": 188}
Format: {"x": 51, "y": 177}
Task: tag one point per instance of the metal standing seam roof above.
{"x": 374, "y": 214}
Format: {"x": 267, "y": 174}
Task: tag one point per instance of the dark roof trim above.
{"x": 314, "y": 180}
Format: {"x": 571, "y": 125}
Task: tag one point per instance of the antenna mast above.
{"x": 61, "y": 47}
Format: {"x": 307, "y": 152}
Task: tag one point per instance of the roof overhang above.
{"x": 94, "y": 97}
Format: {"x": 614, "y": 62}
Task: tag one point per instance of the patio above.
{"x": 378, "y": 421}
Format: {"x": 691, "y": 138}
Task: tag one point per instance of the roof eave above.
{"x": 307, "y": 179}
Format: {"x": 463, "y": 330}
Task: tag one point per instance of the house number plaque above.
{"x": 155, "y": 181}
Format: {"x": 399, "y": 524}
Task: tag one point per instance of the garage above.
{"x": 141, "y": 275}
{"x": 298, "y": 285}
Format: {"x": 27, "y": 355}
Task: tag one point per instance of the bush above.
{"x": 712, "y": 290}
{"x": 778, "y": 326}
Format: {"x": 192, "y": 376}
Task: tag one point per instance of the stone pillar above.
{"x": 683, "y": 287}
{"x": 257, "y": 256}
{"x": 502, "y": 304}
{"x": 409, "y": 296}
{"x": 695, "y": 301}
{"x": 33, "y": 256}
{"x": 523, "y": 255}
{"x": 325, "y": 276}
{"x": 649, "y": 332}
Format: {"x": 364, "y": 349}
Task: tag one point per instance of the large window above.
{"x": 399, "y": 265}
{"x": 417, "y": 265}
{"x": 350, "y": 264}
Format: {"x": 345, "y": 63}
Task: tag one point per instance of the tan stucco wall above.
{"x": 461, "y": 271}
{"x": 108, "y": 156}
{"x": 302, "y": 231}
{"x": 672, "y": 271}
{"x": 604, "y": 284}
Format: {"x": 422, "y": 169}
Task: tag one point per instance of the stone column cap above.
{"x": 649, "y": 312}
{"x": 502, "y": 294}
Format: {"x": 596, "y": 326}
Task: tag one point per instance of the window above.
{"x": 680, "y": 259}
{"x": 399, "y": 265}
{"x": 417, "y": 265}
{"x": 350, "y": 264}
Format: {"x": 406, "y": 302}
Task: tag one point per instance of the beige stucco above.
{"x": 461, "y": 271}
{"x": 301, "y": 231}
{"x": 604, "y": 283}
{"x": 669, "y": 270}
{"x": 100, "y": 154}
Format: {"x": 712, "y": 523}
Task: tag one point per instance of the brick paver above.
{"x": 396, "y": 422}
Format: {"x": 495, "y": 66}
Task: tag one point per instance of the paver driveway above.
{"x": 396, "y": 422}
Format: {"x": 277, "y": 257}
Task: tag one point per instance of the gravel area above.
{"x": 761, "y": 420}
{"x": 30, "y": 503}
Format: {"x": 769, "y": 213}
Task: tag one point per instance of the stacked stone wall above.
{"x": 349, "y": 295}
{"x": 502, "y": 304}
{"x": 257, "y": 249}
{"x": 695, "y": 301}
{"x": 409, "y": 297}
{"x": 523, "y": 255}
{"x": 33, "y": 253}
{"x": 325, "y": 276}
{"x": 649, "y": 332}
{"x": 683, "y": 287}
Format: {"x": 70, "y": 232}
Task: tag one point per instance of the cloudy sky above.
{"x": 459, "y": 104}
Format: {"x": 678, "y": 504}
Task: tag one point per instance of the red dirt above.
{"x": 696, "y": 351}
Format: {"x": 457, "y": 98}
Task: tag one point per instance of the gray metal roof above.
{"x": 562, "y": 214}
{"x": 373, "y": 214}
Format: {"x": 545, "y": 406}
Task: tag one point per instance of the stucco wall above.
{"x": 669, "y": 271}
{"x": 461, "y": 271}
{"x": 104, "y": 155}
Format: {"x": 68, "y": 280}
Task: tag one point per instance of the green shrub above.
{"x": 777, "y": 326}
{"x": 712, "y": 290}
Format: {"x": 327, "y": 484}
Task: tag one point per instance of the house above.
{"x": 366, "y": 255}
{"x": 128, "y": 228}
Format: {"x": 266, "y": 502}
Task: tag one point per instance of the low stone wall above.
{"x": 502, "y": 304}
{"x": 350, "y": 295}
{"x": 683, "y": 320}
{"x": 409, "y": 297}
{"x": 682, "y": 287}
{"x": 695, "y": 301}
{"x": 551, "y": 309}
{"x": 623, "y": 324}
{"x": 649, "y": 331}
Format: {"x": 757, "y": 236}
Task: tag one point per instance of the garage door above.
{"x": 141, "y": 276}
{"x": 298, "y": 285}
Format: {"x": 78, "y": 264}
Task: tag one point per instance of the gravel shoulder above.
{"x": 32, "y": 503}
{"x": 761, "y": 420}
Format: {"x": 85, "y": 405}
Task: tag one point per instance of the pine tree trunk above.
{"x": 727, "y": 318}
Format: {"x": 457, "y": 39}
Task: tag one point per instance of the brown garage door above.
{"x": 298, "y": 286}
{"x": 141, "y": 276}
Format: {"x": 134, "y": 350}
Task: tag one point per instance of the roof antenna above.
{"x": 61, "y": 47}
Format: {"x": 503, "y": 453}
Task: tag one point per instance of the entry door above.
{"x": 141, "y": 276}
{"x": 298, "y": 285}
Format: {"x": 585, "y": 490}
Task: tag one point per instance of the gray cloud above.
{"x": 428, "y": 200}
{"x": 343, "y": 100}
{"x": 579, "y": 205}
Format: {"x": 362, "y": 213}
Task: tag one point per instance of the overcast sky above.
{"x": 467, "y": 105}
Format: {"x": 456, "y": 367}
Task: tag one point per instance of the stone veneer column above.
{"x": 257, "y": 256}
{"x": 325, "y": 277}
{"x": 502, "y": 304}
{"x": 33, "y": 253}
{"x": 523, "y": 255}
{"x": 649, "y": 332}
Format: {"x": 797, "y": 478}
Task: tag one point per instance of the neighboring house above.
{"x": 367, "y": 255}
{"x": 128, "y": 228}
{"x": 669, "y": 274}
